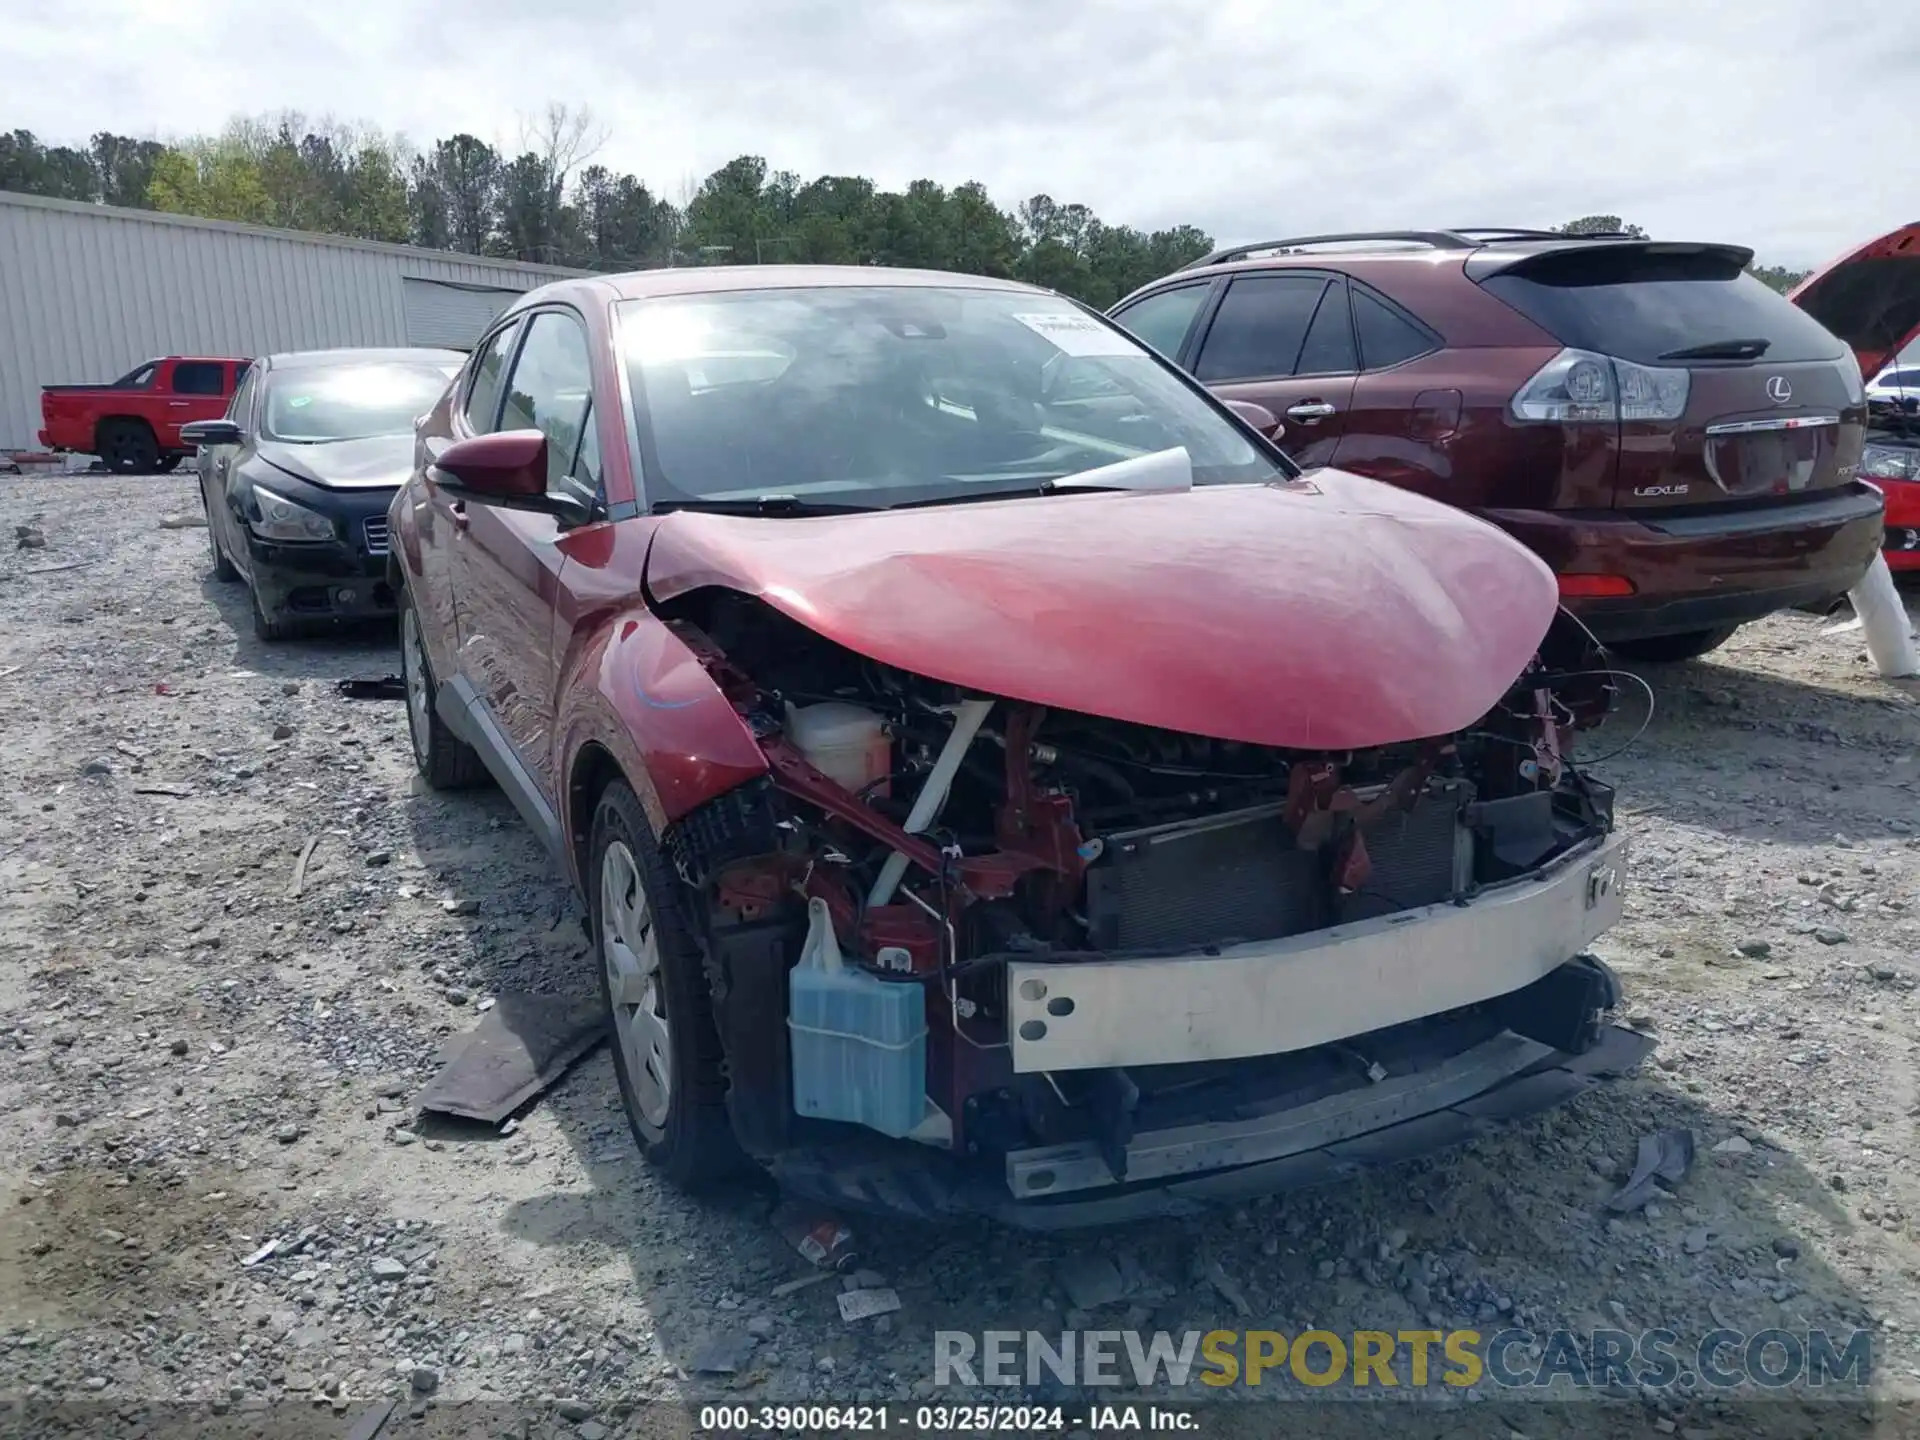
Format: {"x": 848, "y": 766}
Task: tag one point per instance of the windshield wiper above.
{"x": 1722, "y": 350}
{"x": 762, "y": 505}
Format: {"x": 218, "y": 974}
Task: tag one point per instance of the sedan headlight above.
{"x": 1890, "y": 462}
{"x": 281, "y": 519}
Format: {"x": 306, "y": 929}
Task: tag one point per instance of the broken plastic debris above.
{"x": 1666, "y": 1155}
{"x": 387, "y": 687}
{"x": 793, "y": 1287}
{"x": 261, "y": 1254}
{"x": 864, "y": 1304}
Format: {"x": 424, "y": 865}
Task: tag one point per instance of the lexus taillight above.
{"x": 1579, "y": 385}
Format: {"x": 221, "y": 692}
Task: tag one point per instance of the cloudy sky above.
{"x": 1781, "y": 124}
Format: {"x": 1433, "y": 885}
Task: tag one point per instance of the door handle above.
{"x": 459, "y": 512}
{"x": 1310, "y": 412}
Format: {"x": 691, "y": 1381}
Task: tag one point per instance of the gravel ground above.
{"x": 200, "y": 1062}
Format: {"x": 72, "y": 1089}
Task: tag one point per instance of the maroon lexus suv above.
{"x": 1677, "y": 441}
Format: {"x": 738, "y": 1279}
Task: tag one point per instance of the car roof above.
{"x": 367, "y": 355}
{"x": 704, "y": 279}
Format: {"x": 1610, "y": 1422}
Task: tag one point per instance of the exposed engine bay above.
{"x": 913, "y": 847}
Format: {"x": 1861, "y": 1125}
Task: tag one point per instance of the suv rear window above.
{"x": 1639, "y": 305}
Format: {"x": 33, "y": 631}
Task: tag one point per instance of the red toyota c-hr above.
{"x": 931, "y": 691}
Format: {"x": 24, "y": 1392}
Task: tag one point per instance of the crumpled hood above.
{"x": 381, "y": 460}
{"x": 1869, "y": 297}
{"x": 1333, "y": 613}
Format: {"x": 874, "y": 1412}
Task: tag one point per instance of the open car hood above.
{"x": 1332, "y": 613}
{"x": 1869, "y": 297}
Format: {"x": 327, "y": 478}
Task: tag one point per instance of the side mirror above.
{"x": 508, "y": 469}
{"x": 211, "y": 432}
{"x": 1258, "y": 416}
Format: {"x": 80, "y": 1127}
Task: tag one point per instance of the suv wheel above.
{"x": 1665, "y": 649}
{"x": 666, "y": 1052}
{"x": 128, "y": 448}
{"x": 445, "y": 761}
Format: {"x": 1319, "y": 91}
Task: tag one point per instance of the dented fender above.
{"x": 635, "y": 689}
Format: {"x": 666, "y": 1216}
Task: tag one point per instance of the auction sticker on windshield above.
{"x": 1078, "y": 334}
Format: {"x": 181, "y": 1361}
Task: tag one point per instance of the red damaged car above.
{"x": 999, "y": 781}
{"x": 1870, "y": 298}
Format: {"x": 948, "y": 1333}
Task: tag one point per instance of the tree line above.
{"x": 544, "y": 200}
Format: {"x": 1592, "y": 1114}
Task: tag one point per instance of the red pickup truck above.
{"x": 134, "y": 423}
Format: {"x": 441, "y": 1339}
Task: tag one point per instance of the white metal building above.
{"x": 87, "y": 292}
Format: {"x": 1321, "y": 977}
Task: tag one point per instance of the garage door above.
{"x": 454, "y": 316}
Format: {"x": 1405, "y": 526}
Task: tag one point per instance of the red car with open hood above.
{"x": 1870, "y": 298}
{"x": 998, "y": 780}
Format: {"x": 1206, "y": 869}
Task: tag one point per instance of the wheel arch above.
{"x": 635, "y": 704}
{"x": 101, "y": 426}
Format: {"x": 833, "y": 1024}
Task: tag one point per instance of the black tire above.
{"x": 1666, "y": 649}
{"x": 127, "y": 447}
{"x": 222, "y": 567}
{"x": 693, "y": 1144}
{"x": 445, "y": 761}
{"x": 269, "y": 627}
{"x": 167, "y": 464}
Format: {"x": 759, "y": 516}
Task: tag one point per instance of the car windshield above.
{"x": 350, "y": 402}
{"x": 903, "y": 394}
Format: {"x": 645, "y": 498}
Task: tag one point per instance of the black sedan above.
{"x": 297, "y": 476}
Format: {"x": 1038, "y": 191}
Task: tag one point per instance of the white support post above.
{"x": 1883, "y": 619}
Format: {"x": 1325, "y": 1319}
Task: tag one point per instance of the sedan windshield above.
{"x": 895, "y": 394}
{"x": 351, "y": 402}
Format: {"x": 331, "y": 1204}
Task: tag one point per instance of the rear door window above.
{"x": 198, "y": 377}
{"x": 1386, "y": 336}
{"x": 1260, "y": 327}
{"x": 1163, "y": 319}
{"x": 1644, "y": 306}
{"x": 1328, "y": 348}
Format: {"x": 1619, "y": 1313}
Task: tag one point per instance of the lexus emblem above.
{"x": 1778, "y": 390}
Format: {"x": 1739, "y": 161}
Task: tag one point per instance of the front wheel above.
{"x": 666, "y": 1051}
{"x": 1665, "y": 649}
{"x": 445, "y": 761}
{"x": 167, "y": 464}
{"x": 223, "y": 568}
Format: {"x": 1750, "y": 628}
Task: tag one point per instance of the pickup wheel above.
{"x": 128, "y": 447}
{"x": 666, "y": 1051}
{"x": 445, "y": 761}
{"x": 167, "y": 464}
{"x": 1666, "y": 649}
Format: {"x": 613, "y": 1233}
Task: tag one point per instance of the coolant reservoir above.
{"x": 847, "y": 743}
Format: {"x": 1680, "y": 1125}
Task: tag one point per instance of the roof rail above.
{"x": 1433, "y": 239}
{"x": 1502, "y": 232}
{"x": 1459, "y": 237}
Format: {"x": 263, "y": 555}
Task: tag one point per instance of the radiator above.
{"x": 1241, "y": 877}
